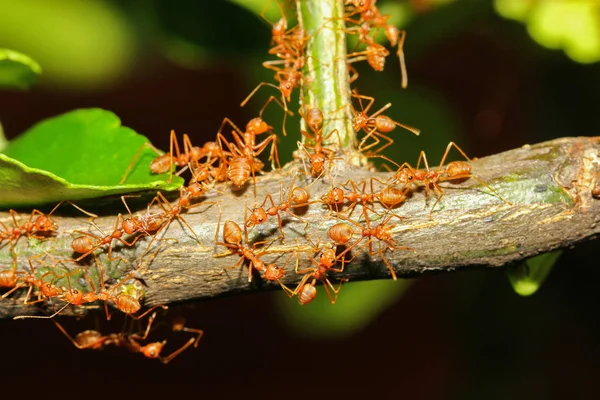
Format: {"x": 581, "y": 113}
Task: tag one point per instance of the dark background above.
{"x": 474, "y": 77}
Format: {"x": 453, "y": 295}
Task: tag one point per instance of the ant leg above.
{"x": 237, "y": 133}
{"x": 274, "y": 155}
{"x": 255, "y": 90}
{"x": 400, "y": 54}
{"x": 45, "y": 316}
{"x": 290, "y": 293}
{"x": 93, "y": 344}
{"x": 148, "y": 311}
{"x": 328, "y": 285}
{"x": 264, "y": 10}
{"x": 178, "y": 326}
{"x": 234, "y": 266}
{"x": 382, "y": 109}
{"x": 14, "y": 215}
{"x": 353, "y": 74}
{"x": 376, "y": 136}
{"x": 388, "y": 265}
{"x": 180, "y": 218}
{"x": 361, "y": 97}
{"x": 301, "y": 145}
{"x": 450, "y": 145}
{"x": 147, "y": 331}
{"x": 167, "y": 359}
{"x": 137, "y": 155}
{"x": 282, "y": 104}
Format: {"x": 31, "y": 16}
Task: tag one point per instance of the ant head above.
{"x": 49, "y": 290}
{"x": 286, "y": 88}
{"x": 130, "y": 225}
{"x": 327, "y": 258}
{"x": 73, "y": 296}
{"x": 317, "y": 162}
{"x": 152, "y": 350}
{"x": 258, "y": 216}
{"x": 196, "y": 189}
{"x": 405, "y": 175}
{"x": 273, "y": 272}
{"x": 257, "y": 126}
{"x": 43, "y": 223}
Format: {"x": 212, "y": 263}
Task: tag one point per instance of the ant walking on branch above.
{"x": 430, "y": 178}
{"x": 381, "y": 232}
{"x": 233, "y": 240}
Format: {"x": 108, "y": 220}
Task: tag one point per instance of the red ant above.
{"x": 165, "y": 161}
{"x": 455, "y": 170}
{"x": 84, "y": 245}
{"x": 259, "y": 214}
{"x": 244, "y": 151}
{"x": 40, "y": 228}
{"x": 382, "y": 232}
{"x": 146, "y": 223}
{"x": 388, "y": 197}
{"x": 94, "y": 340}
{"x": 314, "y": 119}
{"x": 46, "y": 289}
{"x": 306, "y": 290}
{"x": 375, "y": 125}
{"x": 186, "y": 195}
{"x": 232, "y": 236}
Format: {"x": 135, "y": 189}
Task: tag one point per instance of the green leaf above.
{"x": 78, "y": 155}
{"x": 17, "y": 70}
{"x": 528, "y": 277}
{"x": 357, "y": 305}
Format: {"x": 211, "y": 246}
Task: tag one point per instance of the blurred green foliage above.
{"x": 358, "y": 304}
{"x": 529, "y": 276}
{"x": 81, "y": 44}
{"x": 570, "y": 25}
{"x": 17, "y": 70}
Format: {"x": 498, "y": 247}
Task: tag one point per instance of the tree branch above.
{"x": 549, "y": 184}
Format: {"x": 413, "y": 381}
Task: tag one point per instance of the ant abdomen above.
{"x": 307, "y": 294}
{"x": 458, "y": 169}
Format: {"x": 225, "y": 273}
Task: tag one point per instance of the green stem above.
{"x": 326, "y": 77}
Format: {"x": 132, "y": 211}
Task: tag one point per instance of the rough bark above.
{"x": 549, "y": 185}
